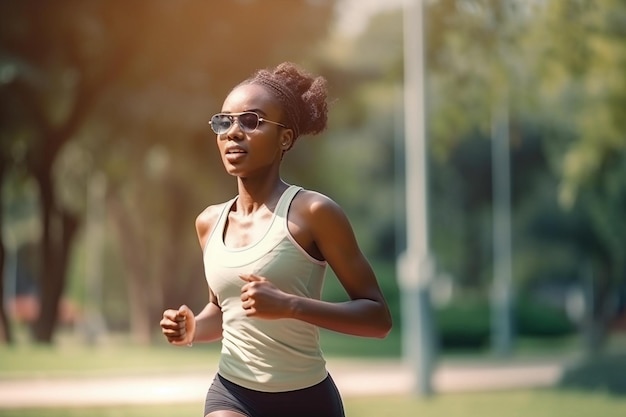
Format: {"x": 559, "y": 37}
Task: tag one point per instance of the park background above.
{"x": 106, "y": 158}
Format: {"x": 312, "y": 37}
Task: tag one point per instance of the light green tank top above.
{"x": 266, "y": 355}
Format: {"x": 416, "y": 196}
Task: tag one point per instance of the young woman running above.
{"x": 265, "y": 255}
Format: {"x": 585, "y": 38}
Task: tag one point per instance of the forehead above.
{"x": 250, "y": 97}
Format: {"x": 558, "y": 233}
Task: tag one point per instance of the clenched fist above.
{"x": 179, "y": 326}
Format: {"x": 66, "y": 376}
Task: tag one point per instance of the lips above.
{"x": 234, "y": 153}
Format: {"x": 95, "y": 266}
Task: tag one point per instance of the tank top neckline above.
{"x": 280, "y": 211}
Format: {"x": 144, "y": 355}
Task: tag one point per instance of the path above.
{"x": 352, "y": 377}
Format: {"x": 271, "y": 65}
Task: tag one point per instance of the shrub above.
{"x": 463, "y": 324}
{"x": 538, "y": 319}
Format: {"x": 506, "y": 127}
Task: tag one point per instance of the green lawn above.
{"x": 76, "y": 359}
{"x": 504, "y": 404}
{"x": 597, "y": 388}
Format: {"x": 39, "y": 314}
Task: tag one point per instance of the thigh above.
{"x": 322, "y": 399}
{"x": 224, "y": 414}
{"x": 222, "y": 401}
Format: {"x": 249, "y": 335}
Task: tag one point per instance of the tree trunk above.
{"x": 473, "y": 262}
{"x": 6, "y": 335}
{"x": 134, "y": 256}
{"x": 59, "y": 229}
{"x": 596, "y": 324}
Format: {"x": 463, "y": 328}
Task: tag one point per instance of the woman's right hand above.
{"x": 179, "y": 326}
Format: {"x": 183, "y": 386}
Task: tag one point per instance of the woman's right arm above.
{"x": 208, "y": 323}
{"x": 209, "y": 320}
{"x": 181, "y": 327}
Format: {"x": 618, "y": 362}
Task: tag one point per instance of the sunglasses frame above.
{"x": 234, "y": 117}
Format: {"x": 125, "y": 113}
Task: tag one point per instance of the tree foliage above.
{"x": 125, "y": 89}
{"x": 583, "y": 82}
{"x": 558, "y": 67}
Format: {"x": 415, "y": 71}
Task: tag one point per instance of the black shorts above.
{"x": 320, "y": 400}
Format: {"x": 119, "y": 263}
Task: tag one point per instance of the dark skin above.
{"x": 316, "y": 223}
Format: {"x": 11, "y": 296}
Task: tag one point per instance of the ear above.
{"x": 286, "y": 139}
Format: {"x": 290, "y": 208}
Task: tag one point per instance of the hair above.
{"x": 301, "y": 95}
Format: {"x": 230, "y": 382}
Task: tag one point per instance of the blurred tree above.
{"x": 469, "y": 50}
{"x": 6, "y": 336}
{"x": 565, "y": 62}
{"x": 48, "y": 95}
{"x": 126, "y": 89}
{"x": 561, "y": 64}
{"x": 579, "y": 49}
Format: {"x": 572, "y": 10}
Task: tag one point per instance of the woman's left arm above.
{"x": 366, "y": 313}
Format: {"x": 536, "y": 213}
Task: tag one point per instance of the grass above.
{"x": 75, "y": 359}
{"x": 502, "y": 404}
{"x": 594, "y": 388}
{"x": 70, "y": 356}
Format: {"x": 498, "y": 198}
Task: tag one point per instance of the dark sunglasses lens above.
{"x": 220, "y": 123}
{"x": 248, "y": 121}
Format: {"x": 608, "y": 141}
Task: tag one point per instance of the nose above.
{"x": 234, "y": 132}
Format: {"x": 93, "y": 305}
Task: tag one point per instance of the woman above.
{"x": 265, "y": 255}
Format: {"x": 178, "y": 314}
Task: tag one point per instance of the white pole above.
{"x": 414, "y": 266}
{"x": 502, "y": 288}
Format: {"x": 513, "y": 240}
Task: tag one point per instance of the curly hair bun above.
{"x": 302, "y": 95}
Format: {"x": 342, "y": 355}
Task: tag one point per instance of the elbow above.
{"x": 384, "y": 327}
{"x": 383, "y": 321}
{"x": 387, "y": 328}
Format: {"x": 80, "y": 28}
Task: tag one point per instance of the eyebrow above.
{"x": 255, "y": 110}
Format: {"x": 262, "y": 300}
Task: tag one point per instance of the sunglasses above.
{"x": 248, "y": 122}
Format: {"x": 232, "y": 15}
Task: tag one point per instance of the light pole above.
{"x": 415, "y": 266}
{"x": 502, "y": 296}
{"x": 502, "y": 288}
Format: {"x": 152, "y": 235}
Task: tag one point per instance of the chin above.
{"x": 234, "y": 171}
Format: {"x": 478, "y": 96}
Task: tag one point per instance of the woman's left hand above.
{"x": 260, "y": 298}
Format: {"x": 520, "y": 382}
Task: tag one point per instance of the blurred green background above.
{"x": 106, "y": 158}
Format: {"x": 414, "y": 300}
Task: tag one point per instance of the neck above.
{"x": 254, "y": 195}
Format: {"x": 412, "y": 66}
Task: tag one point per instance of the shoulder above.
{"x": 316, "y": 208}
{"x": 322, "y": 221}
{"x": 314, "y": 202}
{"x": 209, "y": 216}
{"x": 206, "y": 220}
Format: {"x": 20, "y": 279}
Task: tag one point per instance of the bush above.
{"x": 536, "y": 319}
{"x": 463, "y": 324}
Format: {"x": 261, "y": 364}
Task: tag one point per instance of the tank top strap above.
{"x": 282, "y": 208}
{"x": 218, "y": 230}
